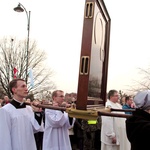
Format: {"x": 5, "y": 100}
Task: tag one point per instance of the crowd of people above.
{"x": 28, "y": 127}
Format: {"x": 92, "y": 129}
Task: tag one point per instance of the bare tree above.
{"x": 142, "y": 82}
{"x": 94, "y": 87}
{"x": 13, "y": 56}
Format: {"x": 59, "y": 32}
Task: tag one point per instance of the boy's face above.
{"x": 59, "y": 98}
{"x": 21, "y": 89}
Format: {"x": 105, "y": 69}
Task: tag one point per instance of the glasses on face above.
{"x": 116, "y": 95}
{"x": 60, "y": 96}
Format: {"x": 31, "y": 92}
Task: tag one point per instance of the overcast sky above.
{"x": 57, "y": 28}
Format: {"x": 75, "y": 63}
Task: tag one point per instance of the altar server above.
{"x": 17, "y": 122}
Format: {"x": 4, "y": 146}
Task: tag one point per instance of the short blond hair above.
{"x": 54, "y": 94}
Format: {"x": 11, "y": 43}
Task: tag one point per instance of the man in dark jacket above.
{"x": 138, "y": 126}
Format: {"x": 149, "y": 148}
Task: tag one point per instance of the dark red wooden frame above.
{"x": 93, "y": 7}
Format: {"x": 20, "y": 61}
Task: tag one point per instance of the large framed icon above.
{"x": 93, "y": 69}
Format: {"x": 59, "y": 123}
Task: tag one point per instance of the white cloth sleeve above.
{"x": 5, "y": 130}
{"x": 108, "y": 123}
{"x": 56, "y": 118}
{"x": 35, "y": 124}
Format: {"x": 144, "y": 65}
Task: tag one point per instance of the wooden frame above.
{"x": 93, "y": 69}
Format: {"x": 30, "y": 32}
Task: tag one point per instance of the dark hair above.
{"x": 13, "y": 84}
{"x": 127, "y": 98}
{"x": 111, "y": 93}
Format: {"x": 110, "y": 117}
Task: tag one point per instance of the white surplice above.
{"x": 114, "y": 127}
{"x": 56, "y": 136}
{"x": 17, "y": 128}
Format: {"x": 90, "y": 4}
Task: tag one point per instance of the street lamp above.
{"x": 21, "y": 8}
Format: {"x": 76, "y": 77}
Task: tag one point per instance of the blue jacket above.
{"x": 125, "y": 106}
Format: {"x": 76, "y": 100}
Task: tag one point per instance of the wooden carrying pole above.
{"x": 87, "y": 114}
{"x": 113, "y": 114}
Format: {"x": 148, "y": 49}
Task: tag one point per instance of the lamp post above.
{"x": 21, "y": 8}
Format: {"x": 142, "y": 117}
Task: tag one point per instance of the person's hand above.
{"x": 55, "y": 104}
{"x": 114, "y": 140}
{"x": 65, "y": 104}
{"x": 133, "y": 105}
{"x": 68, "y": 105}
{"x": 34, "y": 105}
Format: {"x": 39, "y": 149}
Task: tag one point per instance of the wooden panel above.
{"x": 92, "y": 81}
